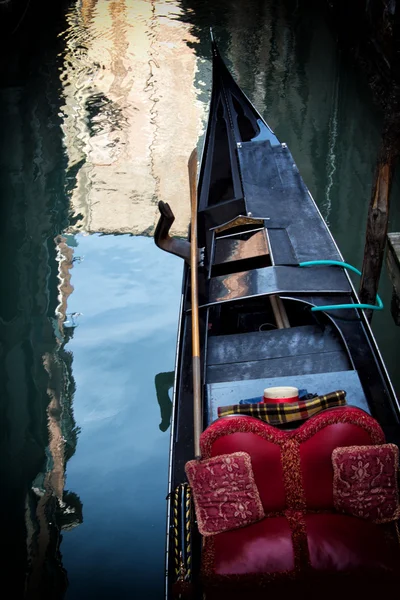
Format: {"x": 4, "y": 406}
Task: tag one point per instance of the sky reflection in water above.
{"x": 128, "y": 295}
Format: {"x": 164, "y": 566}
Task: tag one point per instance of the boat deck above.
{"x": 240, "y": 366}
{"x": 274, "y": 189}
{"x": 278, "y": 353}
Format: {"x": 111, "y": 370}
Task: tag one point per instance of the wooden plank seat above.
{"x": 301, "y": 538}
{"x": 255, "y": 355}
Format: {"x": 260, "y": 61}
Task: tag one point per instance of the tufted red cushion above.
{"x": 263, "y": 547}
{"x": 301, "y": 537}
{"x": 261, "y": 555}
{"x": 272, "y": 450}
{"x": 345, "y": 543}
{"x": 335, "y": 543}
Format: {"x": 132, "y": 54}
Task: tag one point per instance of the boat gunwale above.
{"x": 175, "y": 397}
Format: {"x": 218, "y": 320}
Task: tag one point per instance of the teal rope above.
{"x": 338, "y": 263}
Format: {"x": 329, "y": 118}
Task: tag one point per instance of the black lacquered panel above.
{"x": 278, "y": 280}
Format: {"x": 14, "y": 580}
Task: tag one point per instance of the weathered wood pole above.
{"x": 377, "y": 225}
{"x": 378, "y": 212}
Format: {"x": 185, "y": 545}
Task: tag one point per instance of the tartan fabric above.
{"x": 285, "y": 412}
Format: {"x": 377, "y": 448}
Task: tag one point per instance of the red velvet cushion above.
{"x": 336, "y": 543}
{"x": 224, "y": 492}
{"x": 345, "y": 543}
{"x": 365, "y": 481}
{"x": 294, "y": 473}
{"x": 263, "y": 547}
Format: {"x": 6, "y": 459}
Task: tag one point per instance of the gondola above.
{"x": 277, "y": 311}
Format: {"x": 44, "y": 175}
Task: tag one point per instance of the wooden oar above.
{"x": 197, "y": 405}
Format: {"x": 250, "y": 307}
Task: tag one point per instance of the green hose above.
{"x": 338, "y": 263}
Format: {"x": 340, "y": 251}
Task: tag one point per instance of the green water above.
{"x": 88, "y": 322}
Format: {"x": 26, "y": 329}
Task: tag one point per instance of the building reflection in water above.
{"x": 130, "y": 105}
{"x": 38, "y": 433}
{"x": 49, "y": 509}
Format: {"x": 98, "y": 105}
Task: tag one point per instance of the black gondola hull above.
{"x": 257, "y": 224}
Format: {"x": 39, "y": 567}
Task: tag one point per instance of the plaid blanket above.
{"x": 286, "y": 412}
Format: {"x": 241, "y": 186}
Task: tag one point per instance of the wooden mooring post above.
{"x": 377, "y": 224}
{"x": 378, "y": 212}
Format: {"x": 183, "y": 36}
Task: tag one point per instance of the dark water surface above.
{"x": 88, "y": 322}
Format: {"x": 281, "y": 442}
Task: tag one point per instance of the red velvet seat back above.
{"x": 293, "y": 469}
{"x": 266, "y": 462}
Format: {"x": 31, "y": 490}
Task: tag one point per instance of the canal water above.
{"x": 97, "y": 122}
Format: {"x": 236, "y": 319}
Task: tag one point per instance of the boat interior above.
{"x": 262, "y": 330}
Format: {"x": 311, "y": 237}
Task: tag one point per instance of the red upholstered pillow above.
{"x": 224, "y": 492}
{"x": 365, "y": 481}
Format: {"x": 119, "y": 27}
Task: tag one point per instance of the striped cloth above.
{"x": 285, "y": 412}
